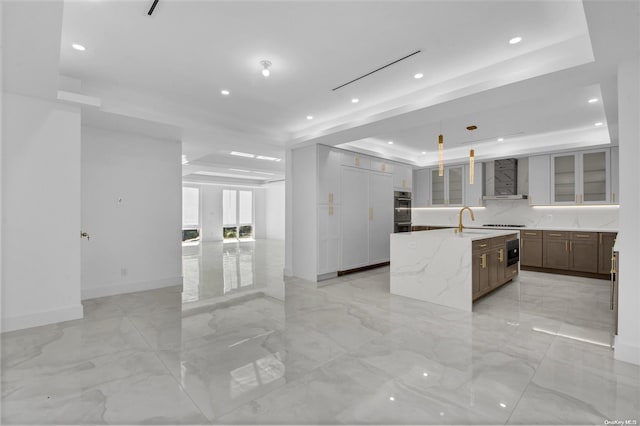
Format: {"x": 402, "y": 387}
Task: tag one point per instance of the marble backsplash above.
{"x": 519, "y": 212}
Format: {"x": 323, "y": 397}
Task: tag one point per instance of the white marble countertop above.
{"x": 471, "y": 234}
{"x": 532, "y": 228}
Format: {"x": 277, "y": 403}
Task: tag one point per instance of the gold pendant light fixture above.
{"x": 472, "y": 165}
{"x": 440, "y": 155}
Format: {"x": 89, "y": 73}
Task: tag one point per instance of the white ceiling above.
{"x": 169, "y": 68}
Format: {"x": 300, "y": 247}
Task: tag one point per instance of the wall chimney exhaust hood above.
{"x": 505, "y": 181}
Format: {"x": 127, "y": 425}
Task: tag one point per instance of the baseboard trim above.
{"x": 42, "y": 318}
{"x": 625, "y": 352}
{"x": 566, "y": 272}
{"x": 115, "y": 289}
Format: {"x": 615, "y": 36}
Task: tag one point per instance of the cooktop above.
{"x": 501, "y": 225}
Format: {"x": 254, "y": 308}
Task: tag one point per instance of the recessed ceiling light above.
{"x": 500, "y": 139}
{"x": 355, "y": 100}
{"x": 242, "y": 154}
{"x": 309, "y": 117}
{"x": 425, "y": 374}
{"x": 390, "y": 142}
{"x": 225, "y": 92}
{"x": 78, "y": 47}
{"x": 264, "y": 157}
{"x": 418, "y": 76}
{"x": 515, "y": 40}
{"x": 503, "y": 405}
{"x": 593, "y": 100}
{"x": 391, "y": 398}
{"x": 265, "y": 68}
{"x": 598, "y": 124}
{"x": 424, "y": 152}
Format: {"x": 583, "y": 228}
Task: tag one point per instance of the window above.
{"x": 237, "y": 215}
{"x": 190, "y": 214}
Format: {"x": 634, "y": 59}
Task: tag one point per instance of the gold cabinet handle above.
{"x": 501, "y": 255}
{"x": 370, "y": 213}
{"x": 555, "y": 235}
{"x": 483, "y": 261}
{"x": 482, "y": 245}
{"x": 583, "y": 236}
{"x": 530, "y": 233}
{"x": 357, "y": 161}
{"x": 404, "y": 183}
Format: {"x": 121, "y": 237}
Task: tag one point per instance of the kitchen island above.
{"x": 438, "y": 266}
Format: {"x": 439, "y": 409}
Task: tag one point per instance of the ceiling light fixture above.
{"x": 418, "y": 76}
{"x": 264, "y": 157}
{"x": 515, "y": 40}
{"x": 598, "y": 124}
{"x": 225, "y": 92}
{"x": 242, "y": 154}
{"x": 79, "y": 47}
{"x": 472, "y": 163}
{"x": 500, "y": 139}
{"x": 265, "y": 68}
{"x": 390, "y": 142}
{"x": 593, "y": 100}
{"x": 355, "y": 100}
{"x": 309, "y": 117}
{"x": 424, "y": 152}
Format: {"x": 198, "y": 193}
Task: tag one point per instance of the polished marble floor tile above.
{"x": 242, "y": 345}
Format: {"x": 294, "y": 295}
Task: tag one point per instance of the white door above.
{"x": 380, "y": 216}
{"x": 355, "y": 210}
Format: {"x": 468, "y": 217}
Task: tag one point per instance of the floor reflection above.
{"x": 215, "y": 269}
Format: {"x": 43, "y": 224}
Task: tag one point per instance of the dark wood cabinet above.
{"x": 531, "y": 248}
{"x": 583, "y": 252}
{"x": 489, "y": 265}
{"x": 555, "y": 249}
{"x": 606, "y": 241}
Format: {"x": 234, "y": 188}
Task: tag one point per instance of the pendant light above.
{"x": 472, "y": 164}
{"x": 440, "y": 155}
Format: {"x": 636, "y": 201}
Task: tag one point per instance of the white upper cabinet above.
{"x": 539, "y": 180}
{"x": 615, "y": 175}
{"x": 473, "y": 191}
{"x": 354, "y": 159}
{"x": 421, "y": 187}
{"x": 449, "y": 189}
{"x": 402, "y": 177}
{"x": 329, "y": 161}
{"x": 581, "y": 178}
{"x": 381, "y": 166}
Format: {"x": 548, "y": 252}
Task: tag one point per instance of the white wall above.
{"x": 131, "y": 207}
{"x": 519, "y": 212}
{"x": 304, "y": 224}
{"x": 274, "y": 210}
{"x": 628, "y": 243}
{"x": 210, "y": 212}
{"x": 40, "y": 212}
{"x": 259, "y": 213}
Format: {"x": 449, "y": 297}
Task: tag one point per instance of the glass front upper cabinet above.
{"x": 581, "y": 178}
{"x": 447, "y": 190}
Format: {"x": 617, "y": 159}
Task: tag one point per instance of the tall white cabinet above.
{"x": 342, "y": 208}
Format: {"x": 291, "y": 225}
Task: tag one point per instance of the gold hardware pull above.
{"x": 501, "y": 255}
{"x": 404, "y": 183}
{"x": 566, "y": 244}
{"x": 483, "y": 261}
{"x": 530, "y": 233}
{"x": 330, "y": 210}
{"x": 482, "y": 245}
{"x": 357, "y": 161}
{"x": 555, "y": 235}
{"x": 370, "y": 213}
{"x": 383, "y": 167}
{"x": 582, "y": 236}
{"x": 85, "y": 235}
